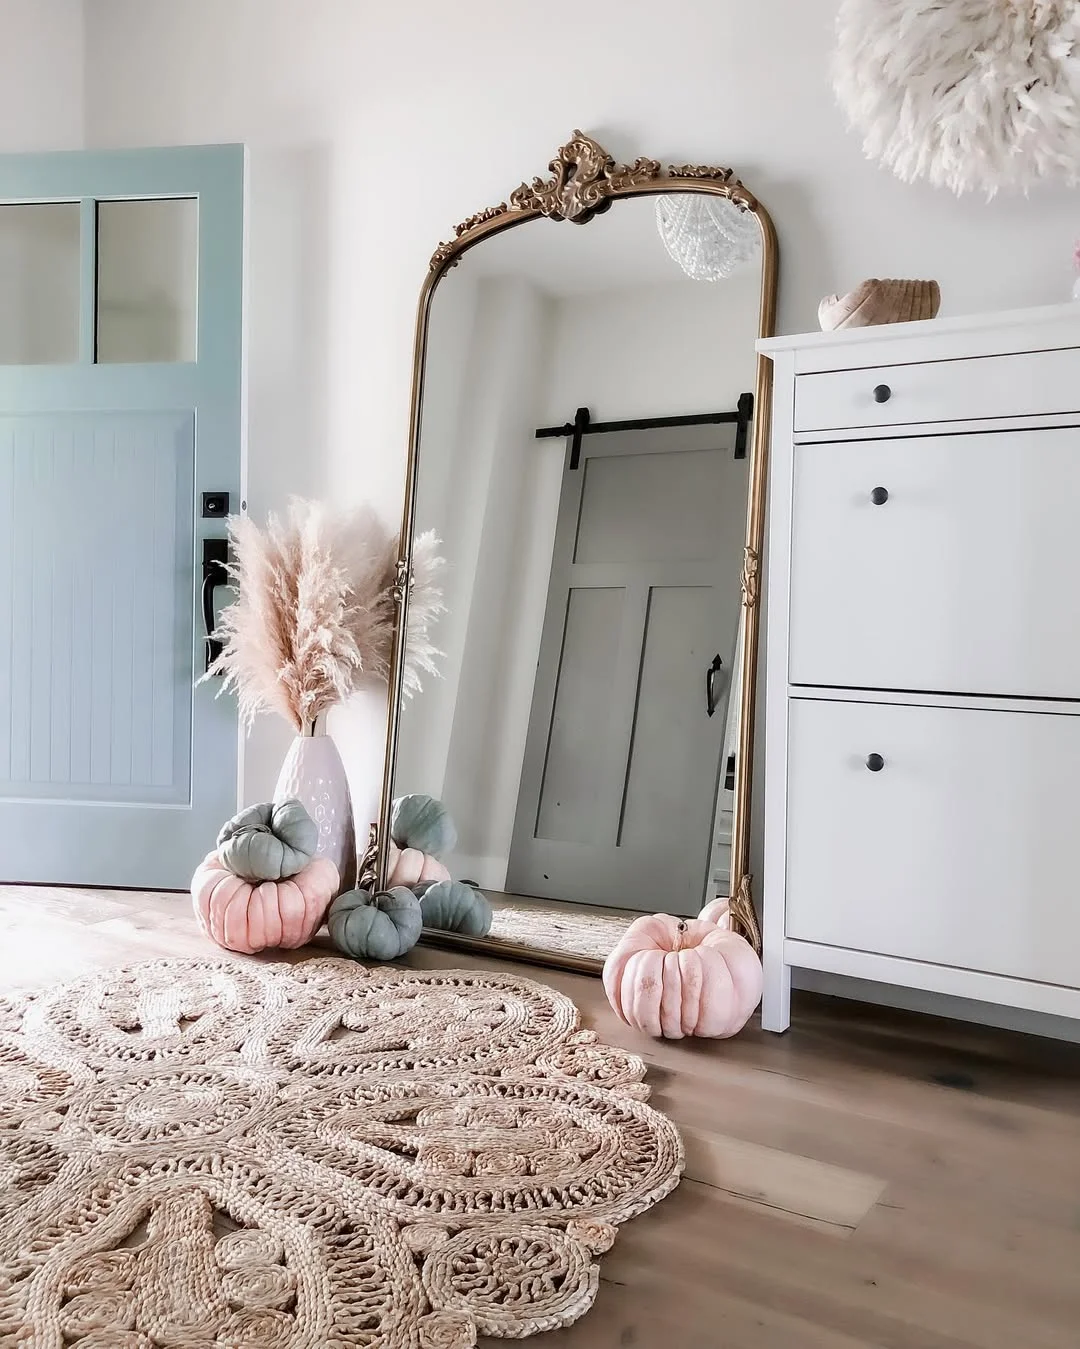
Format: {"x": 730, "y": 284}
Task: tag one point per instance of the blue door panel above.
{"x": 116, "y": 769}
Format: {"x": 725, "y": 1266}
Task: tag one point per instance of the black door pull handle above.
{"x": 710, "y": 684}
{"x": 215, "y": 572}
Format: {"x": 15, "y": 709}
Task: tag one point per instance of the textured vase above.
{"x": 314, "y": 774}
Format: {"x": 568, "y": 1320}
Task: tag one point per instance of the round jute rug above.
{"x": 221, "y": 1155}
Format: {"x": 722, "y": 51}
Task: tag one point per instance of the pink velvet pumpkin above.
{"x": 249, "y": 916}
{"x": 410, "y": 866}
{"x": 680, "y": 976}
{"x": 717, "y": 912}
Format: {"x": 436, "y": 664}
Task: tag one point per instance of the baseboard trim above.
{"x": 938, "y": 1004}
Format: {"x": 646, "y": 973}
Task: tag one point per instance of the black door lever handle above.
{"x": 710, "y": 684}
{"x": 215, "y": 572}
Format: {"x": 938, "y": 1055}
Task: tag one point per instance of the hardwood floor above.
{"x": 870, "y": 1179}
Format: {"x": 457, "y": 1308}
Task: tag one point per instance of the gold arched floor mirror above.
{"x": 588, "y": 442}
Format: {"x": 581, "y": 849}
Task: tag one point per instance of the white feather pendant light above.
{"x": 968, "y": 94}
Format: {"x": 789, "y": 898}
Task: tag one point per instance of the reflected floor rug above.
{"x": 555, "y": 925}
{"x": 206, "y": 1154}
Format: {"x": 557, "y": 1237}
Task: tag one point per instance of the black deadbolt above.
{"x": 875, "y": 763}
{"x": 215, "y": 505}
{"x": 882, "y": 393}
{"x": 879, "y": 496}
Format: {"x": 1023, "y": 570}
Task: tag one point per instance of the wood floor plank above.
{"x": 708, "y": 1251}
{"x": 951, "y": 1151}
{"x": 783, "y": 1181}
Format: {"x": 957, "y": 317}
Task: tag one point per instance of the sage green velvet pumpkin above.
{"x": 379, "y": 928}
{"x": 269, "y": 842}
{"x": 453, "y": 906}
{"x": 423, "y": 823}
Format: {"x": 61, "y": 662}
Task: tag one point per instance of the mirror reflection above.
{"x": 584, "y": 461}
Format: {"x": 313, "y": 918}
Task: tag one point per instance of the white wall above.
{"x": 374, "y": 128}
{"x": 661, "y": 350}
{"x": 41, "y": 74}
{"x": 409, "y": 118}
{"x": 41, "y": 108}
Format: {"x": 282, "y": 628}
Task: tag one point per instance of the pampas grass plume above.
{"x": 314, "y": 611}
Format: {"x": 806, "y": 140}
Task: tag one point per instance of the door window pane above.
{"x": 147, "y": 279}
{"x": 39, "y": 284}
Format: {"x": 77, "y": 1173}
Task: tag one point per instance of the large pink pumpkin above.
{"x": 717, "y": 912}
{"x": 250, "y": 916}
{"x": 410, "y": 866}
{"x": 679, "y": 976}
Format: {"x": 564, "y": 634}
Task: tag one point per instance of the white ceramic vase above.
{"x": 314, "y": 774}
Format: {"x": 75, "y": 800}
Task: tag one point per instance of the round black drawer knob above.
{"x": 882, "y": 393}
{"x": 879, "y": 496}
{"x": 875, "y": 763}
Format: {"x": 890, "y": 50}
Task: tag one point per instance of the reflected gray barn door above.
{"x": 622, "y": 761}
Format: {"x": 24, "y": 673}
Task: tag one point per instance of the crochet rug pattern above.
{"x": 202, "y": 1154}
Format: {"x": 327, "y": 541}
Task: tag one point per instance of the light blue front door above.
{"x": 120, "y": 437}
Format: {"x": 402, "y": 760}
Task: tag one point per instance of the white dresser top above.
{"x": 1012, "y": 330}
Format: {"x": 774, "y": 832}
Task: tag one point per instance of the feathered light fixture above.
{"x": 967, "y": 94}
{"x": 709, "y": 237}
{"x": 314, "y": 611}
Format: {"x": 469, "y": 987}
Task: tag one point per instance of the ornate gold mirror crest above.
{"x": 586, "y": 181}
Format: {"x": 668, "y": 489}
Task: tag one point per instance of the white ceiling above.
{"x": 613, "y": 251}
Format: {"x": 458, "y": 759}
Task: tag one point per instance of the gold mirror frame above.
{"x": 586, "y": 181}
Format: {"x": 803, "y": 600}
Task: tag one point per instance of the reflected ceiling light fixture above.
{"x": 709, "y": 237}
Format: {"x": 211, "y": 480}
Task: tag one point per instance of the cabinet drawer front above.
{"x": 960, "y": 850}
{"x": 963, "y": 580}
{"x": 1029, "y": 384}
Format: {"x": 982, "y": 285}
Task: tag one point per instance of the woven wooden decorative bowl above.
{"x": 877, "y": 301}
